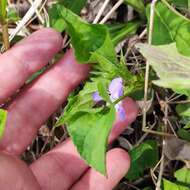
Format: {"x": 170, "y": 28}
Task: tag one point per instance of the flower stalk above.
{"x": 5, "y": 36}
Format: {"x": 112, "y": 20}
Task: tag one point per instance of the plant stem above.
{"x": 174, "y": 10}
{"x": 5, "y": 36}
{"x": 151, "y": 27}
{"x": 120, "y": 99}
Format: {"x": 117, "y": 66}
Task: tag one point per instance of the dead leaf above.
{"x": 177, "y": 149}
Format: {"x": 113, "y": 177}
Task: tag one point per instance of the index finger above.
{"x": 25, "y": 58}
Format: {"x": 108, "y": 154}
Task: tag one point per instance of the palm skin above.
{"x": 61, "y": 168}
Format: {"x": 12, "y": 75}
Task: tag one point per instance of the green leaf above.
{"x": 171, "y": 67}
{"x": 184, "y": 134}
{"x": 3, "y": 12}
{"x": 187, "y": 125}
{"x": 79, "y": 103}
{"x": 183, "y": 109}
{"x": 119, "y": 32}
{"x": 12, "y": 15}
{"x": 87, "y": 38}
{"x": 138, "y": 5}
{"x": 173, "y": 25}
{"x": 107, "y": 69}
{"x": 182, "y": 39}
{"x": 3, "y": 119}
{"x": 181, "y": 3}
{"x": 160, "y": 24}
{"x": 182, "y": 180}
{"x": 143, "y": 157}
{"x": 56, "y": 21}
{"x": 168, "y": 185}
{"x": 89, "y": 133}
{"x": 183, "y": 175}
{"x": 74, "y": 5}
{"x": 103, "y": 89}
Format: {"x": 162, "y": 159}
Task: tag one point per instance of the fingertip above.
{"x": 131, "y": 112}
{"x": 45, "y": 34}
{"x": 74, "y": 71}
{"x": 27, "y": 57}
{"x": 70, "y": 55}
{"x": 53, "y": 35}
{"x": 121, "y": 160}
{"x": 131, "y": 109}
{"x": 118, "y": 163}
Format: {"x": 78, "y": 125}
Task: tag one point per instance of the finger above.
{"x": 118, "y": 163}
{"x": 32, "y": 108}
{"x": 64, "y": 165}
{"x": 25, "y": 58}
{"x": 131, "y": 111}
{"x": 14, "y": 174}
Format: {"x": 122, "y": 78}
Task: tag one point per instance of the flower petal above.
{"x": 116, "y": 88}
{"x": 121, "y": 111}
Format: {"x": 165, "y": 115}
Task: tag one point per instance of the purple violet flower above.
{"x": 116, "y": 91}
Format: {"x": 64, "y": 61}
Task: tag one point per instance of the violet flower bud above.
{"x": 96, "y": 97}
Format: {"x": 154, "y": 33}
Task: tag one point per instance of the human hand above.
{"x": 61, "y": 168}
